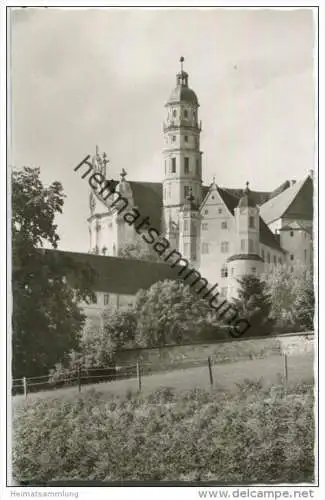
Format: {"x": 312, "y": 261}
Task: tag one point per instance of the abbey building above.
{"x": 223, "y": 232}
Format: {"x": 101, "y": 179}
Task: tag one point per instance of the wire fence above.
{"x": 83, "y": 377}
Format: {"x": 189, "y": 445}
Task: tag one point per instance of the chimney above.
{"x": 292, "y": 182}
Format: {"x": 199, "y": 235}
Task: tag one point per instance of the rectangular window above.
{"x": 186, "y": 138}
{"x": 220, "y": 210}
{"x": 274, "y": 259}
{"x": 224, "y": 247}
{"x": 263, "y": 255}
{"x": 186, "y": 165}
{"x": 232, "y": 271}
{"x": 224, "y": 272}
{"x": 242, "y": 245}
{"x": 185, "y": 225}
{"x": 174, "y": 138}
{"x": 268, "y": 258}
{"x": 280, "y": 261}
{"x": 173, "y": 165}
{"x": 251, "y": 245}
{"x": 291, "y": 233}
{"x": 198, "y": 167}
{"x": 205, "y": 248}
{"x": 186, "y": 191}
{"x": 106, "y": 299}
{"x": 305, "y": 255}
{"x": 224, "y": 224}
{"x": 204, "y": 226}
{"x": 251, "y": 222}
{"x": 223, "y": 291}
{"x": 291, "y": 257}
{"x": 253, "y": 270}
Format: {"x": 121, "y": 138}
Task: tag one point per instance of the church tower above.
{"x": 181, "y": 154}
{"x": 246, "y": 259}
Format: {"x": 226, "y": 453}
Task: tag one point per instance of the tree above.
{"x": 99, "y": 344}
{"x": 292, "y": 297}
{"x": 171, "y": 313}
{"x": 254, "y": 304}
{"x": 304, "y": 305}
{"x": 138, "y": 250}
{"x": 46, "y": 286}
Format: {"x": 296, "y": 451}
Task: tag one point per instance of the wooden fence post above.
{"x": 139, "y": 375}
{"x": 25, "y": 386}
{"x": 210, "y": 371}
{"x": 79, "y": 380}
{"x": 285, "y": 360}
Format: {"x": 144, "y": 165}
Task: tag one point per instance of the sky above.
{"x": 86, "y": 77}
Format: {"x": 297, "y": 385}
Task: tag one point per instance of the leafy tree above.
{"x": 304, "y": 305}
{"x": 292, "y": 297}
{"x": 138, "y": 250}
{"x": 171, "y": 313}
{"x": 254, "y": 304}
{"x": 98, "y": 343}
{"x": 46, "y": 285}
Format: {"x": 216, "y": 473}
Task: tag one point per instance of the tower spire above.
{"x": 181, "y": 61}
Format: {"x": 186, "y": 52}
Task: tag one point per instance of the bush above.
{"x": 251, "y": 435}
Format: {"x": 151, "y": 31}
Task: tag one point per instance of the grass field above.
{"x": 300, "y": 368}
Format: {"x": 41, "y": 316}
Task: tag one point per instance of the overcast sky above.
{"x": 86, "y": 77}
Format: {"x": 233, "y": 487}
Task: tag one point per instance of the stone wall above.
{"x": 184, "y": 356}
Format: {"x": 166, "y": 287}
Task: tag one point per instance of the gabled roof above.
{"x": 148, "y": 198}
{"x": 121, "y": 276}
{"x": 266, "y": 236}
{"x": 295, "y": 202}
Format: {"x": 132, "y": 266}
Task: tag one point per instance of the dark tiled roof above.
{"x": 245, "y": 256}
{"x": 121, "y": 276}
{"x": 148, "y": 197}
{"x": 266, "y": 235}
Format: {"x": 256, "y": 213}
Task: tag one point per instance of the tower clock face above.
{"x": 92, "y": 203}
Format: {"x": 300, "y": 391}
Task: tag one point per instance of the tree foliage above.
{"x": 46, "y": 318}
{"x": 254, "y": 304}
{"x": 171, "y": 313}
{"x": 292, "y": 297}
{"x": 138, "y": 250}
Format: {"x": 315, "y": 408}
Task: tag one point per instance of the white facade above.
{"x": 208, "y": 233}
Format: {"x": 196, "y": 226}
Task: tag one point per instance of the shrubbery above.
{"x": 250, "y": 435}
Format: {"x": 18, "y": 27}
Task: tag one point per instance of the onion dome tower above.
{"x": 181, "y": 154}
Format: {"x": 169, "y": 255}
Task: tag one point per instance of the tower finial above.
{"x": 123, "y": 174}
{"x": 181, "y": 61}
{"x": 247, "y": 186}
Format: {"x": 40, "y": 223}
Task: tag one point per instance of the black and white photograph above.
{"x": 162, "y": 250}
